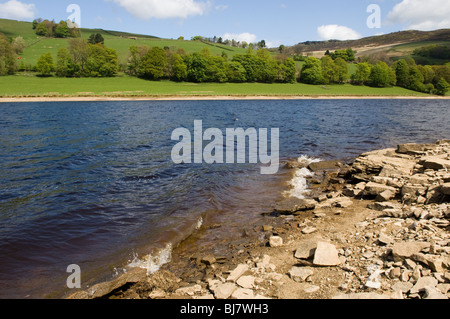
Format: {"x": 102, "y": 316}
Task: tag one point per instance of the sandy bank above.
{"x": 210, "y": 98}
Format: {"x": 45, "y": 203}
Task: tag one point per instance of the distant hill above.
{"x": 120, "y": 41}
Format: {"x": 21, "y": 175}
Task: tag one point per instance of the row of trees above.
{"x": 80, "y": 59}
{"x": 51, "y": 29}
{"x": 156, "y": 63}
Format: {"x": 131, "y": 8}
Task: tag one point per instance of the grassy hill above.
{"x": 394, "y": 45}
{"x": 120, "y": 41}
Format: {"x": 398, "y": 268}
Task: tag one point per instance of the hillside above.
{"x": 397, "y": 44}
{"x": 120, "y": 41}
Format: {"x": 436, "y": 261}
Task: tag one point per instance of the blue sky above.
{"x": 278, "y": 22}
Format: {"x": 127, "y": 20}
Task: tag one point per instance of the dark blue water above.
{"x": 93, "y": 183}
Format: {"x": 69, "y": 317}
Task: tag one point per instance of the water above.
{"x": 93, "y": 183}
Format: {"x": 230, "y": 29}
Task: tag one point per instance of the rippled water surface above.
{"x": 93, "y": 183}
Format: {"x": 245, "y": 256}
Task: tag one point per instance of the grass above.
{"x": 31, "y": 86}
{"x": 120, "y": 41}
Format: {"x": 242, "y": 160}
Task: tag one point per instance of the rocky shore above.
{"x": 377, "y": 228}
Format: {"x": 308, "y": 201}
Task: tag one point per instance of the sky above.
{"x": 286, "y": 22}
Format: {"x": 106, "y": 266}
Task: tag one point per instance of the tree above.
{"x": 95, "y": 38}
{"x": 382, "y": 75}
{"x": 176, "y": 68}
{"x": 79, "y": 51}
{"x": 45, "y": 65}
{"x": 196, "y": 67}
{"x": 7, "y": 56}
{"x": 442, "y": 87}
{"x": 401, "y": 69}
{"x": 329, "y": 71}
{"x": 312, "y": 72}
{"x": 135, "y": 58}
{"x": 153, "y": 64}
{"x": 64, "y": 64}
{"x": 341, "y": 70}
{"x": 362, "y": 74}
{"x": 61, "y": 30}
{"x": 102, "y": 62}
{"x": 18, "y": 45}
{"x": 235, "y": 72}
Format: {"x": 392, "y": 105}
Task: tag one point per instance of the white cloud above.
{"x": 337, "y": 32}
{"x": 147, "y": 9}
{"x": 247, "y": 37}
{"x": 17, "y": 10}
{"x": 422, "y": 15}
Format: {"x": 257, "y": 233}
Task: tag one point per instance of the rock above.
{"x": 402, "y": 286}
{"x": 275, "y": 241}
{"x": 445, "y": 189}
{"x": 373, "y": 189}
{"x": 299, "y": 274}
{"x": 208, "y": 260}
{"x": 435, "y": 163}
{"x": 385, "y": 239}
{"x": 423, "y": 282}
{"x": 403, "y": 250}
{"x": 414, "y": 190}
{"x": 385, "y": 196}
{"x": 130, "y": 277}
{"x": 190, "y": 290}
{"x": 308, "y": 230}
{"x": 293, "y": 205}
{"x": 223, "y": 290}
{"x": 433, "y": 293}
{"x": 324, "y": 165}
{"x": 247, "y": 282}
{"x": 414, "y": 149}
{"x": 157, "y": 294}
{"x": 306, "y": 248}
{"x": 237, "y": 272}
{"x": 326, "y": 255}
{"x": 242, "y": 293}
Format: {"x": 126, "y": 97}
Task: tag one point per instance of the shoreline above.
{"x": 376, "y": 228}
{"x": 213, "y": 98}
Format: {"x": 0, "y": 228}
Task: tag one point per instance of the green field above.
{"x": 31, "y": 86}
{"x": 121, "y": 42}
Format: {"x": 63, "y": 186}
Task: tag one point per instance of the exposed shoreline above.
{"x": 213, "y": 98}
{"x": 377, "y": 228}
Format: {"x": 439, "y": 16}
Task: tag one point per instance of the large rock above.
{"x": 403, "y": 250}
{"x": 324, "y": 165}
{"x": 293, "y": 205}
{"x": 223, "y": 290}
{"x": 445, "y": 189}
{"x": 435, "y": 162}
{"x": 374, "y": 189}
{"x": 415, "y": 149}
{"x": 326, "y": 255}
{"x": 423, "y": 282}
{"x": 306, "y": 248}
{"x": 237, "y": 272}
{"x": 300, "y": 274}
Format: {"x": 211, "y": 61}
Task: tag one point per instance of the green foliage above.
{"x": 382, "y": 75}
{"x": 61, "y": 30}
{"x": 312, "y": 72}
{"x": 442, "y": 87}
{"x": 51, "y": 29}
{"x": 102, "y": 62}
{"x": 362, "y": 74}
{"x": 64, "y": 64}
{"x": 45, "y": 65}
{"x": 348, "y": 55}
{"x": 7, "y": 56}
{"x": 95, "y": 38}
{"x": 176, "y": 68}
{"x": 153, "y": 64}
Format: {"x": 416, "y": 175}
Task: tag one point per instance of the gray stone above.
{"x": 247, "y": 282}
{"x": 445, "y": 189}
{"x": 293, "y": 205}
{"x": 423, "y": 282}
{"x": 300, "y": 274}
{"x": 306, "y": 248}
{"x": 385, "y": 196}
{"x": 275, "y": 241}
{"x": 435, "y": 163}
{"x": 224, "y": 290}
{"x": 385, "y": 239}
{"x": 326, "y": 255}
{"x": 402, "y": 286}
{"x": 403, "y": 250}
{"x": 237, "y": 272}
{"x": 309, "y": 230}
{"x": 374, "y": 189}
